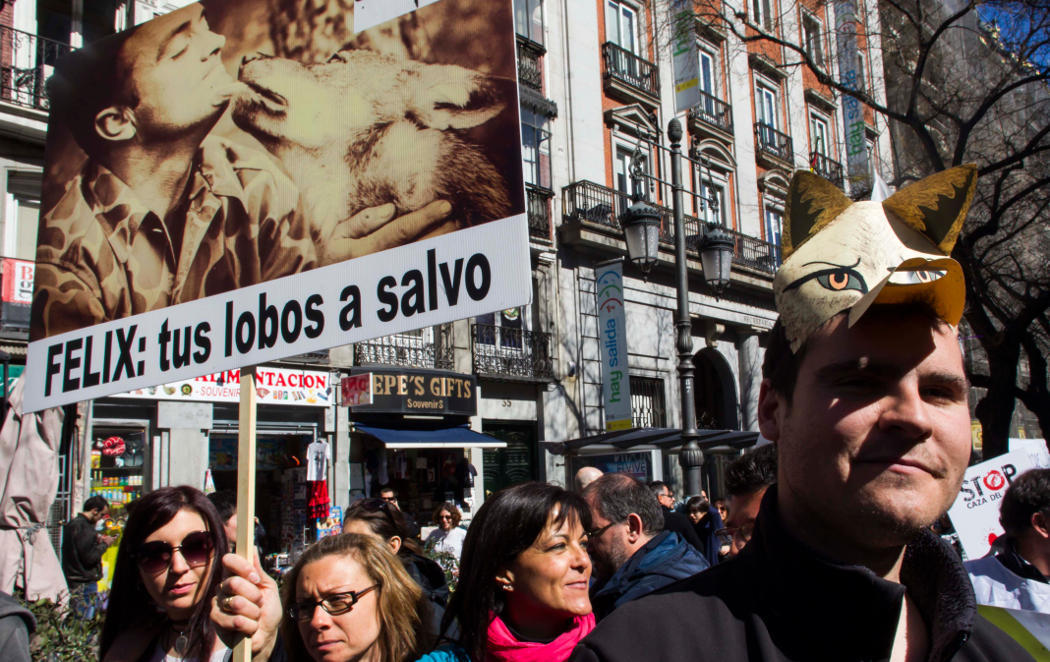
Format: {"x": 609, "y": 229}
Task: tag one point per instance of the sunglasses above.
{"x": 335, "y": 604}
{"x": 155, "y": 557}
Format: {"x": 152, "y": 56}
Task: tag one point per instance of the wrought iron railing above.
{"x": 588, "y": 202}
{"x": 26, "y": 61}
{"x": 405, "y": 350}
{"x": 511, "y": 352}
{"x": 628, "y": 68}
{"x": 713, "y": 111}
{"x": 529, "y": 71}
{"x": 826, "y": 167}
{"x": 773, "y": 143}
{"x": 538, "y": 207}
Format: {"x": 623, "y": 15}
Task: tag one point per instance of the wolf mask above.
{"x": 843, "y": 255}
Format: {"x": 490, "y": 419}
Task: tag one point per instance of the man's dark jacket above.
{"x": 16, "y": 624}
{"x": 681, "y": 525}
{"x": 660, "y": 562}
{"x": 81, "y": 552}
{"x": 779, "y": 600}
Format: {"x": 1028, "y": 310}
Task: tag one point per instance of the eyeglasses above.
{"x": 155, "y": 557}
{"x": 390, "y": 499}
{"x": 444, "y": 516}
{"x": 335, "y": 604}
{"x": 599, "y": 531}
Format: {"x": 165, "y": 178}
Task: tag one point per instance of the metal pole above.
{"x": 690, "y": 456}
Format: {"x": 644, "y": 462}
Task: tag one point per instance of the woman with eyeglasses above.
{"x": 447, "y": 537}
{"x": 349, "y": 599}
{"x": 524, "y": 578}
{"x": 165, "y": 577}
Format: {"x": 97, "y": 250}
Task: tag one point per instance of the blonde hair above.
{"x": 403, "y": 611}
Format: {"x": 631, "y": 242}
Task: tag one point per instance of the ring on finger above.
{"x": 227, "y": 603}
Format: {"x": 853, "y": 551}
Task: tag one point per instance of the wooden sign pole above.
{"x": 246, "y": 486}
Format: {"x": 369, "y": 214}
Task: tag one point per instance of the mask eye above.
{"x": 838, "y": 280}
{"x": 337, "y": 57}
{"x": 913, "y": 277}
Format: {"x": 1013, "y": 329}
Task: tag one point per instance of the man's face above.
{"x": 388, "y": 496}
{"x": 666, "y": 498}
{"x": 605, "y": 543}
{"x": 97, "y": 515}
{"x": 743, "y": 510}
{"x": 176, "y": 74}
{"x": 874, "y": 445}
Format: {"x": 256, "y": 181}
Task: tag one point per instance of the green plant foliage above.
{"x": 61, "y": 635}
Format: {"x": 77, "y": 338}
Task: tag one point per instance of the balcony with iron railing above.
{"x": 512, "y": 354}
{"x": 772, "y": 144}
{"x": 538, "y": 207}
{"x": 826, "y": 167}
{"x": 588, "y": 206}
{"x": 529, "y": 70}
{"x": 711, "y": 113}
{"x": 628, "y": 76}
{"x": 407, "y": 350}
{"x": 26, "y": 61}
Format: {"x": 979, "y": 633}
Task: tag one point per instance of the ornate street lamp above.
{"x": 641, "y": 225}
{"x": 716, "y": 257}
{"x": 641, "y": 230}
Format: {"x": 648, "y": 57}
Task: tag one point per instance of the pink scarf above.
{"x": 502, "y": 646}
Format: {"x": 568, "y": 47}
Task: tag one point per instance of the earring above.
{"x": 507, "y": 587}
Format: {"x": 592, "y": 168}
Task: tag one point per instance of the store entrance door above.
{"x": 514, "y": 464}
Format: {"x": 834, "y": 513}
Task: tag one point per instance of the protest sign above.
{"x": 975, "y": 513}
{"x": 207, "y": 208}
{"x": 612, "y": 330}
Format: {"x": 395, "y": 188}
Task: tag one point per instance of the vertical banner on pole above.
{"x": 686, "y": 56}
{"x": 246, "y": 485}
{"x": 612, "y": 335}
{"x": 852, "y": 113}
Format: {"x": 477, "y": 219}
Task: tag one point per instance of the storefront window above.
{"x": 118, "y": 459}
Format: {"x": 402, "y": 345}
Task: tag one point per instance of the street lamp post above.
{"x": 641, "y": 224}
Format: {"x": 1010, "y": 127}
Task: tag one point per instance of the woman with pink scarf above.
{"x": 524, "y": 579}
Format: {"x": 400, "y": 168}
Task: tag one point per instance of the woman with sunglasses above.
{"x": 524, "y": 578}
{"x": 349, "y": 599}
{"x": 447, "y": 537}
{"x": 164, "y": 579}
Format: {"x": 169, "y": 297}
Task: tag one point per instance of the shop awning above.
{"x": 651, "y": 438}
{"x": 458, "y": 436}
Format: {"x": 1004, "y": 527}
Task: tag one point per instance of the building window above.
{"x": 708, "y": 73}
{"x": 819, "y": 135}
{"x": 768, "y": 107}
{"x": 762, "y": 14}
{"x": 813, "y": 38}
{"x": 647, "y": 403}
{"x": 622, "y": 173}
{"x": 503, "y": 328}
{"x": 621, "y": 25}
{"x": 535, "y": 149}
{"x": 774, "y": 222}
{"x": 528, "y": 19}
{"x": 862, "y": 78}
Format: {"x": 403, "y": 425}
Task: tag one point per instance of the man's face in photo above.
{"x": 877, "y": 437}
{"x": 175, "y": 73}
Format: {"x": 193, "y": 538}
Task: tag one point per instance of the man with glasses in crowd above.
{"x": 389, "y": 494}
{"x": 673, "y": 520}
{"x": 865, "y": 395}
{"x": 632, "y": 556}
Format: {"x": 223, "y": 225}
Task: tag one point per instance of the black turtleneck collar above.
{"x": 857, "y": 610}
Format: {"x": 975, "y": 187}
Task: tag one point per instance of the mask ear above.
{"x": 115, "y": 123}
{"x": 812, "y": 203}
{"x": 937, "y": 205}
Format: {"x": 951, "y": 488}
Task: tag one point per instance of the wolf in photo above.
{"x": 365, "y": 129}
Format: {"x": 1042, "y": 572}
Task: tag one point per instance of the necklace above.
{"x": 182, "y": 642}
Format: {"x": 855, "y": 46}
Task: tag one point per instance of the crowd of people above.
{"x": 823, "y": 549}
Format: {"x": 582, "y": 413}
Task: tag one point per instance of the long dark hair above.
{"x": 505, "y": 526}
{"x": 129, "y": 604}
{"x": 386, "y": 521}
{"x": 403, "y": 610}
